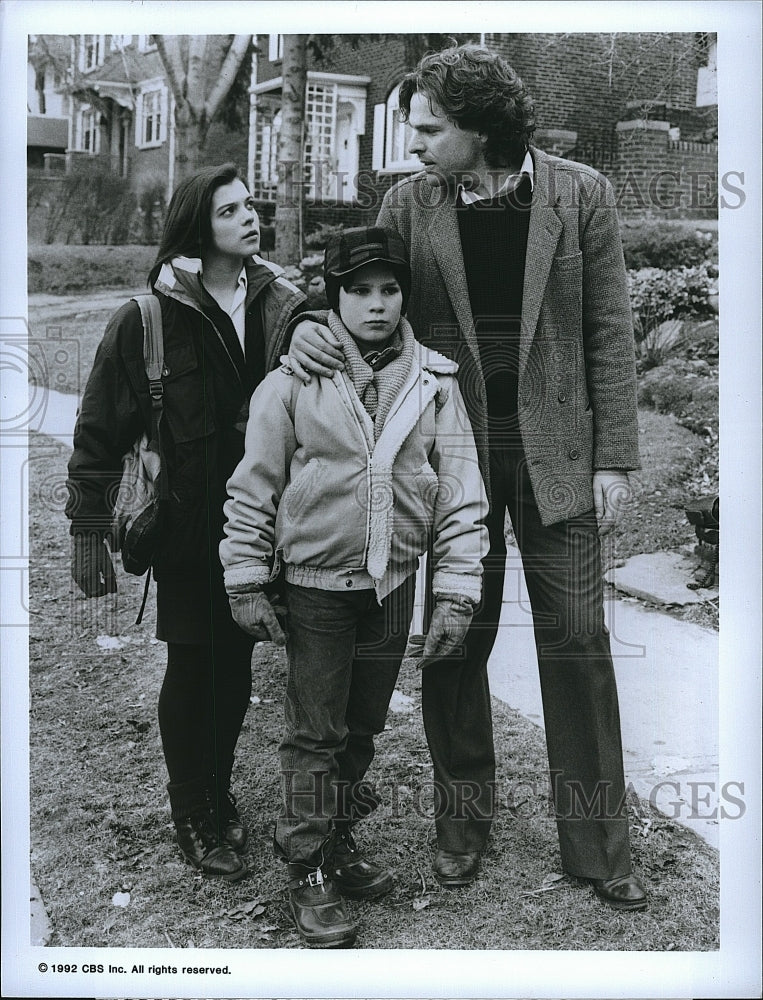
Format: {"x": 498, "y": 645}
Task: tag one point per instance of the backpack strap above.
{"x": 153, "y": 357}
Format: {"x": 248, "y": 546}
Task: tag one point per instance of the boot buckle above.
{"x": 315, "y": 878}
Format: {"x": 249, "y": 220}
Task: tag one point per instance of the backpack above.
{"x": 139, "y": 507}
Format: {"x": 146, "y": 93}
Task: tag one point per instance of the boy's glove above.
{"x": 451, "y": 619}
{"x": 92, "y": 568}
{"x": 253, "y": 612}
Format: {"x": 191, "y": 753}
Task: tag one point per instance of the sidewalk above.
{"x": 667, "y": 677}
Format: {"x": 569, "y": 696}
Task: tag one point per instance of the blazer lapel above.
{"x": 445, "y": 241}
{"x": 542, "y": 238}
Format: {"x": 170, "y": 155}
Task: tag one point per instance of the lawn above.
{"x": 100, "y": 822}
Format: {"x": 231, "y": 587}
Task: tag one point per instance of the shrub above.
{"x": 93, "y": 206}
{"x": 653, "y": 244}
{"x": 657, "y": 295}
{"x": 687, "y": 389}
{"x": 318, "y": 239}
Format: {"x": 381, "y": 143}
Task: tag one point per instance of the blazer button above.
{"x": 574, "y": 454}
{"x": 562, "y": 397}
{"x": 348, "y": 583}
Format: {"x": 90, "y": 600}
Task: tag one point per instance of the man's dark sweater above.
{"x": 494, "y": 245}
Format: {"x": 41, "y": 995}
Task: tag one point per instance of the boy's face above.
{"x": 371, "y": 303}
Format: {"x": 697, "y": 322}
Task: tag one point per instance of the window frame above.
{"x": 98, "y": 48}
{"x": 149, "y": 88}
{"x": 391, "y": 129}
{"x": 275, "y": 48}
{"x": 87, "y": 111}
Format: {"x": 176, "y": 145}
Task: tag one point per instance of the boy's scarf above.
{"x": 377, "y": 389}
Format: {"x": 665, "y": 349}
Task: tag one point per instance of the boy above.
{"x": 343, "y": 481}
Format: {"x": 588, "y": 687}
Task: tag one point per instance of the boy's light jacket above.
{"x": 340, "y": 511}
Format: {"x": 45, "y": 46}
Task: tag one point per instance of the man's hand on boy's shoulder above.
{"x": 314, "y": 350}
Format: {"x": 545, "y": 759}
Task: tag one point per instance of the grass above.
{"x": 62, "y": 269}
{"x": 100, "y": 822}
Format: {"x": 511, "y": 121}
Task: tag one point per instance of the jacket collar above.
{"x": 180, "y": 279}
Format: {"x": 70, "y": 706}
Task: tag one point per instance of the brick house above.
{"x": 641, "y": 107}
{"x": 113, "y": 93}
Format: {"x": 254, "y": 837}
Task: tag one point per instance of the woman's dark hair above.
{"x": 479, "y": 91}
{"x": 188, "y": 227}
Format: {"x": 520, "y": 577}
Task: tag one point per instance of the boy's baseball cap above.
{"x": 353, "y": 248}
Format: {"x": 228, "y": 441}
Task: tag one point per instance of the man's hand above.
{"x": 451, "y": 619}
{"x": 91, "y": 566}
{"x": 611, "y": 493}
{"x": 253, "y": 612}
{"x": 314, "y": 351}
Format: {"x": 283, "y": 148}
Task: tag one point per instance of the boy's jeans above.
{"x": 344, "y": 652}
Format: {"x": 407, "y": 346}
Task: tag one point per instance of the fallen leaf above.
{"x": 421, "y": 902}
{"x": 551, "y": 878}
{"x": 121, "y": 899}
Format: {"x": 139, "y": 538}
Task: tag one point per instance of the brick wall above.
{"x": 657, "y": 177}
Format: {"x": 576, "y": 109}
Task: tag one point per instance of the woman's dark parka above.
{"x": 207, "y": 387}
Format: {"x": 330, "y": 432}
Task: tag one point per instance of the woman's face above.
{"x": 235, "y": 225}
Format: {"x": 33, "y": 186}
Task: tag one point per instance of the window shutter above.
{"x": 139, "y": 120}
{"x": 377, "y": 155}
{"x": 164, "y": 123}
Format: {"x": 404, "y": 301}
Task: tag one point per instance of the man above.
{"x": 518, "y": 275}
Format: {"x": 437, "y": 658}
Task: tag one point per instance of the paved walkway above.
{"x": 667, "y": 677}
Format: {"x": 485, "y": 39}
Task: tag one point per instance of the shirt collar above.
{"x": 527, "y": 169}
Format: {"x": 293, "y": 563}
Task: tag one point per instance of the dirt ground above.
{"x": 101, "y": 832}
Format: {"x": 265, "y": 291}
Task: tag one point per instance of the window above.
{"x": 335, "y": 111}
{"x": 89, "y": 131}
{"x": 151, "y": 116}
{"x": 392, "y": 137}
{"x": 275, "y": 47}
{"x": 91, "y": 52}
{"x": 119, "y": 42}
{"x": 146, "y": 43}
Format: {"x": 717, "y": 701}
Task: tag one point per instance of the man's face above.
{"x": 370, "y": 305}
{"x": 442, "y": 146}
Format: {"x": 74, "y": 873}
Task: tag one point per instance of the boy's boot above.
{"x": 353, "y": 874}
{"x": 200, "y": 834}
{"x": 318, "y": 909}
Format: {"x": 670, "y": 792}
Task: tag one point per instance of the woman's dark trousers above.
{"x": 202, "y": 704}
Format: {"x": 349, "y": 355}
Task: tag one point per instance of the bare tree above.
{"x": 200, "y": 75}
{"x": 290, "y": 192}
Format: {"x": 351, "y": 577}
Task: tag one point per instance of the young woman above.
{"x": 224, "y": 314}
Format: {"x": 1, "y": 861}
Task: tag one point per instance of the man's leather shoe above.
{"x": 454, "y": 870}
{"x": 318, "y": 909}
{"x": 354, "y": 875}
{"x": 202, "y": 847}
{"x": 624, "y": 893}
{"x": 234, "y": 831}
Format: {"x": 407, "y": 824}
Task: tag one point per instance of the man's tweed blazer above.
{"x": 577, "y": 376}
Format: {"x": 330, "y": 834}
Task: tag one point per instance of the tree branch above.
{"x": 173, "y": 64}
{"x": 197, "y": 47}
{"x": 230, "y": 67}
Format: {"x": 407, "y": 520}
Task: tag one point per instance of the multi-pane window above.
{"x": 398, "y": 135}
{"x": 91, "y": 51}
{"x": 89, "y": 131}
{"x": 119, "y": 42}
{"x": 151, "y": 117}
{"x": 319, "y": 140}
{"x": 275, "y": 47}
{"x": 334, "y": 118}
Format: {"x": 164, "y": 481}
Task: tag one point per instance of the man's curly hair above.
{"x": 479, "y": 91}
